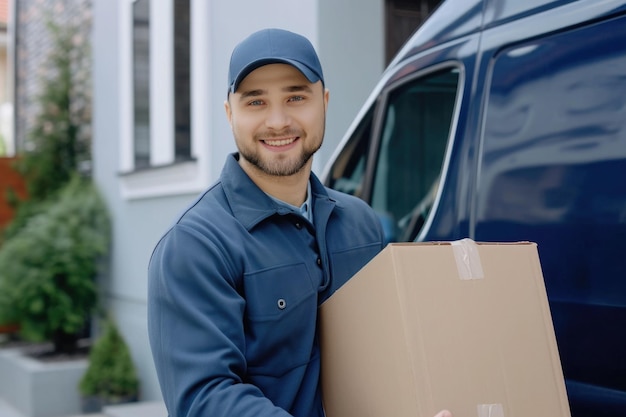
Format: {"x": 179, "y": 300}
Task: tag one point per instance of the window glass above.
{"x": 348, "y": 172}
{"x": 141, "y": 82}
{"x": 182, "y": 95}
{"x": 415, "y": 133}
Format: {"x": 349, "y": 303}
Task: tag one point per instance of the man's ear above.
{"x": 229, "y": 113}
{"x": 326, "y": 98}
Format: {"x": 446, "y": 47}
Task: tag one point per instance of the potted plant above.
{"x": 111, "y": 377}
{"x": 51, "y": 249}
{"x": 48, "y": 269}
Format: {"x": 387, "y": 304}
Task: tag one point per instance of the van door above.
{"x": 552, "y": 170}
{"x": 395, "y": 156}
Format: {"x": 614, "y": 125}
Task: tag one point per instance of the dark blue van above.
{"x": 505, "y": 120}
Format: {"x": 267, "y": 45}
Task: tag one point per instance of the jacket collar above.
{"x": 250, "y": 205}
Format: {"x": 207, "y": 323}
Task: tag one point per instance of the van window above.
{"x": 414, "y": 135}
{"x": 348, "y": 172}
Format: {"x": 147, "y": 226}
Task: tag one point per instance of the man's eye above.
{"x": 296, "y": 98}
{"x": 255, "y": 103}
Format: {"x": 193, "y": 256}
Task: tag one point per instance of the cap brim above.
{"x": 245, "y": 71}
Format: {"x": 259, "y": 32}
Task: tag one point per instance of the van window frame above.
{"x": 378, "y": 124}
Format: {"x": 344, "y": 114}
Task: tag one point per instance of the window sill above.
{"x": 168, "y": 180}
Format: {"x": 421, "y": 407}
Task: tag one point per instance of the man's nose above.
{"x": 277, "y": 118}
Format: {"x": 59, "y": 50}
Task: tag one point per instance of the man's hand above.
{"x": 444, "y": 413}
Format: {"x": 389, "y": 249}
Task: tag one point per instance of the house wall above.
{"x": 352, "y": 53}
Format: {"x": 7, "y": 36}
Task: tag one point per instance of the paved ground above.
{"x": 90, "y": 415}
{"x": 141, "y": 409}
{"x": 7, "y": 411}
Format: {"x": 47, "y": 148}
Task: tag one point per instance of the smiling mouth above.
{"x": 279, "y": 142}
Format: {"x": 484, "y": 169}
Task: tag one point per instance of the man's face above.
{"x": 278, "y": 119}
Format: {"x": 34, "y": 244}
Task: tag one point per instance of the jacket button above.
{"x": 282, "y": 303}
{"x": 319, "y": 261}
{"x": 298, "y": 225}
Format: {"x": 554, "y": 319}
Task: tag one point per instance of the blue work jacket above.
{"x": 233, "y": 293}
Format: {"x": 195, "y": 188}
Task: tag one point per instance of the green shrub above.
{"x": 48, "y": 269}
{"x": 58, "y": 143}
{"x": 111, "y": 372}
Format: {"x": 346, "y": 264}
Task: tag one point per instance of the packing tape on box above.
{"x": 490, "y": 410}
{"x": 467, "y": 259}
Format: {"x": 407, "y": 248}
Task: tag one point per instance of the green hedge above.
{"x": 48, "y": 269}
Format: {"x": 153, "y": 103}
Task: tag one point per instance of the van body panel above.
{"x": 553, "y": 159}
{"x": 498, "y": 12}
{"x": 529, "y": 144}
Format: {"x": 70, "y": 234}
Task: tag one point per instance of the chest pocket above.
{"x": 346, "y": 263}
{"x": 281, "y": 308}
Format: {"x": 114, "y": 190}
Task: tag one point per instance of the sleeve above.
{"x": 196, "y": 330}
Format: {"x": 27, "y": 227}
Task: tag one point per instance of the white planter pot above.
{"x": 40, "y": 389}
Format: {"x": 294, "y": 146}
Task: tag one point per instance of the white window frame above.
{"x": 164, "y": 177}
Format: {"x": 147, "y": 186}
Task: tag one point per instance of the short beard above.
{"x": 276, "y": 167}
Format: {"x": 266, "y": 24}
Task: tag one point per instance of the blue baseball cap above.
{"x": 273, "y": 46}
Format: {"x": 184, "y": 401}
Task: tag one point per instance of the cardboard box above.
{"x": 430, "y": 326}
